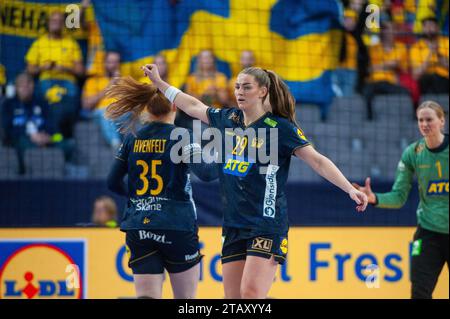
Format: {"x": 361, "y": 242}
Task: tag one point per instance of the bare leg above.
{"x": 184, "y": 284}
{"x": 258, "y": 277}
{"x": 232, "y": 276}
{"x": 148, "y": 286}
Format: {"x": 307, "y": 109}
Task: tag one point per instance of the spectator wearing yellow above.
{"x": 161, "y": 62}
{"x": 56, "y": 60}
{"x": 246, "y": 60}
{"x": 2, "y": 82}
{"x": 105, "y": 212}
{"x": 95, "y": 47}
{"x": 206, "y": 83}
{"x": 429, "y": 58}
{"x": 2, "y": 75}
{"x": 387, "y": 60}
{"x": 346, "y": 74}
{"x": 94, "y": 98}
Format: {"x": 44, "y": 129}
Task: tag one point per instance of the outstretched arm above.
{"x": 394, "y": 199}
{"x": 326, "y": 168}
{"x": 193, "y": 158}
{"x": 188, "y": 104}
{"x": 398, "y": 196}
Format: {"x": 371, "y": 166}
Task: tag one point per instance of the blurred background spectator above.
{"x": 104, "y": 212}
{"x": 206, "y": 83}
{"x": 163, "y": 68}
{"x": 94, "y": 98}
{"x": 56, "y": 59}
{"x": 387, "y": 60}
{"x": 429, "y": 58}
{"x": 399, "y": 63}
{"x": 246, "y": 60}
{"x": 346, "y": 74}
{"x": 95, "y": 48}
{"x": 27, "y": 123}
{"x": 2, "y": 82}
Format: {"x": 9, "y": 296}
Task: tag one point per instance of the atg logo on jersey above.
{"x": 237, "y": 166}
{"x": 42, "y": 269}
{"x": 439, "y": 187}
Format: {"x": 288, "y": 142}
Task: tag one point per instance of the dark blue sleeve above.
{"x": 292, "y": 138}
{"x": 120, "y": 168}
{"x": 124, "y": 149}
{"x": 205, "y": 171}
{"x": 192, "y": 155}
{"x": 218, "y": 117}
{"x": 115, "y": 177}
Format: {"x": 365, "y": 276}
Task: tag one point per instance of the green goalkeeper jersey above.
{"x": 431, "y": 168}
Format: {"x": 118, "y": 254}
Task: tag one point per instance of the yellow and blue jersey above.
{"x": 254, "y": 168}
{"x": 63, "y": 52}
{"x": 159, "y": 189}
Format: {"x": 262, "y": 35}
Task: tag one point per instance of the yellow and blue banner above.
{"x": 22, "y": 22}
{"x": 322, "y": 262}
{"x": 298, "y": 39}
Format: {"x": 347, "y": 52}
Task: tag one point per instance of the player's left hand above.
{"x": 151, "y": 71}
{"x": 360, "y": 198}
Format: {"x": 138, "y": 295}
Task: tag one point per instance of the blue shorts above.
{"x": 152, "y": 251}
{"x": 239, "y": 243}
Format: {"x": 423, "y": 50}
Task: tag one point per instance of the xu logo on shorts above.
{"x": 263, "y": 244}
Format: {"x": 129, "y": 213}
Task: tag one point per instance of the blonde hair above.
{"x": 134, "y": 97}
{"x": 439, "y": 110}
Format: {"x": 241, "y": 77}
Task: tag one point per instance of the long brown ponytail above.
{"x": 281, "y": 99}
{"x": 132, "y": 97}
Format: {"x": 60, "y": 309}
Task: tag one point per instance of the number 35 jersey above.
{"x": 159, "y": 188}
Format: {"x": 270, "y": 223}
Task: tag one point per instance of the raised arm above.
{"x": 326, "y": 168}
{"x": 188, "y": 104}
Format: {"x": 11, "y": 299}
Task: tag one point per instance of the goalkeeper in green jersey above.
{"x": 428, "y": 160}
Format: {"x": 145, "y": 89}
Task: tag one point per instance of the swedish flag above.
{"x": 298, "y": 39}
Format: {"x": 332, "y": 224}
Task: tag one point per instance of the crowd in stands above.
{"x": 58, "y": 88}
{"x": 391, "y": 58}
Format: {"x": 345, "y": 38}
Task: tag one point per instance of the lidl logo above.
{"x": 237, "y": 166}
{"x": 42, "y": 269}
{"x": 438, "y": 187}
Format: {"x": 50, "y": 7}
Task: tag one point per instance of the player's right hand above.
{"x": 367, "y": 189}
{"x": 151, "y": 71}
